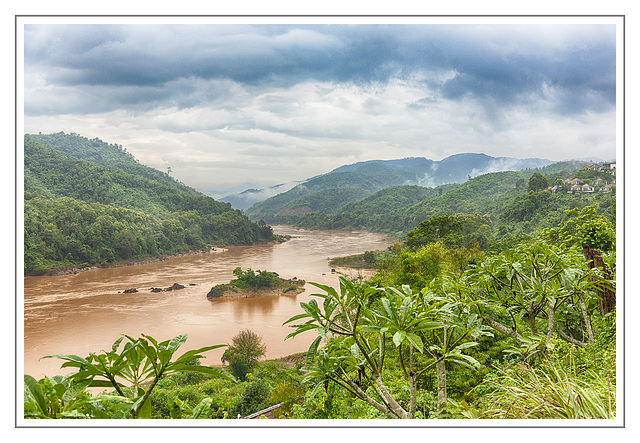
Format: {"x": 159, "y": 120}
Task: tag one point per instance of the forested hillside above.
{"x": 513, "y": 209}
{"x": 89, "y": 202}
{"x": 328, "y": 193}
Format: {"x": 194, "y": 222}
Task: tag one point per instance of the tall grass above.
{"x": 551, "y": 392}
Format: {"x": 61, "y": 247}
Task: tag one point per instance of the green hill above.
{"x": 504, "y": 198}
{"x": 89, "y": 202}
{"x": 329, "y": 192}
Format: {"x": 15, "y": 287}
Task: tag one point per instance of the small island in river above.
{"x": 250, "y": 283}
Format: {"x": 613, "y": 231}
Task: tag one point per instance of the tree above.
{"x": 462, "y": 326}
{"x": 244, "y": 353}
{"x": 584, "y": 226}
{"x": 445, "y": 228}
{"x": 454, "y": 231}
{"x": 538, "y": 182}
{"x": 254, "y": 398}
{"x": 361, "y": 325}
{"x": 530, "y": 293}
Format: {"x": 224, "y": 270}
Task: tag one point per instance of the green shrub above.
{"x": 254, "y": 398}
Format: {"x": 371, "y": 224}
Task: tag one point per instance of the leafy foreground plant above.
{"x": 63, "y": 397}
{"x": 141, "y": 364}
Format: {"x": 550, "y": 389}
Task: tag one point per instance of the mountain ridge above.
{"x": 367, "y": 177}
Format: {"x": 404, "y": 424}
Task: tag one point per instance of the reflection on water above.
{"x": 82, "y": 313}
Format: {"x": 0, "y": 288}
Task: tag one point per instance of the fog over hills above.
{"x": 245, "y": 199}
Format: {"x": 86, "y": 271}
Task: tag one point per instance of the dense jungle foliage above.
{"x": 87, "y": 202}
{"x": 485, "y": 308}
{"x": 441, "y": 331}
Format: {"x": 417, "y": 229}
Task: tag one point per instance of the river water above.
{"x": 87, "y": 312}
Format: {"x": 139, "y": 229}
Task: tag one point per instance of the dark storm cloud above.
{"x": 573, "y": 71}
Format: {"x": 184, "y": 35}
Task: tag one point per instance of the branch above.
{"x": 136, "y": 410}
{"x": 503, "y": 329}
{"x": 384, "y": 394}
{"x": 384, "y": 408}
{"x": 570, "y": 339}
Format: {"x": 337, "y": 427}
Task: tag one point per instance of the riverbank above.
{"x": 76, "y": 269}
{"x": 87, "y": 313}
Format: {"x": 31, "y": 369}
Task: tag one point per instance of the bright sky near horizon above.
{"x": 237, "y": 103}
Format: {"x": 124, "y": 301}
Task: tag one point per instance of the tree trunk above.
{"x": 441, "y": 374}
{"x": 531, "y": 321}
{"x": 607, "y": 297}
{"x": 388, "y": 399}
{"x": 587, "y": 322}
{"x": 551, "y": 318}
{"x": 570, "y": 339}
{"x": 358, "y": 392}
{"x": 413, "y": 393}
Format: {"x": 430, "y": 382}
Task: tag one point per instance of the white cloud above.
{"x": 228, "y": 105}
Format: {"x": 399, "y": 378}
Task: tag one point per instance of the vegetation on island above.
{"x": 250, "y": 282}
{"x": 87, "y": 202}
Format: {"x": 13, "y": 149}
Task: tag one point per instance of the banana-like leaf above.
{"x": 176, "y": 342}
{"x": 416, "y": 341}
{"x": 116, "y": 344}
{"x": 35, "y": 392}
{"x": 465, "y": 360}
{"x": 296, "y": 317}
{"x": 73, "y": 360}
{"x": 313, "y": 349}
{"x": 201, "y": 409}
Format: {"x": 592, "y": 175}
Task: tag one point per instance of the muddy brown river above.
{"x": 87, "y": 312}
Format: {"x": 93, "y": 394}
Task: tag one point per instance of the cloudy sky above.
{"x": 234, "y": 105}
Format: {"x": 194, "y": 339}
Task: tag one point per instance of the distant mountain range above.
{"x": 406, "y": 171}
{"x": 348, "y": 183}
{"x": 456, "y": 168}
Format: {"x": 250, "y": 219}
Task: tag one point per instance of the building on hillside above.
{"x": 587, "y": 188}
